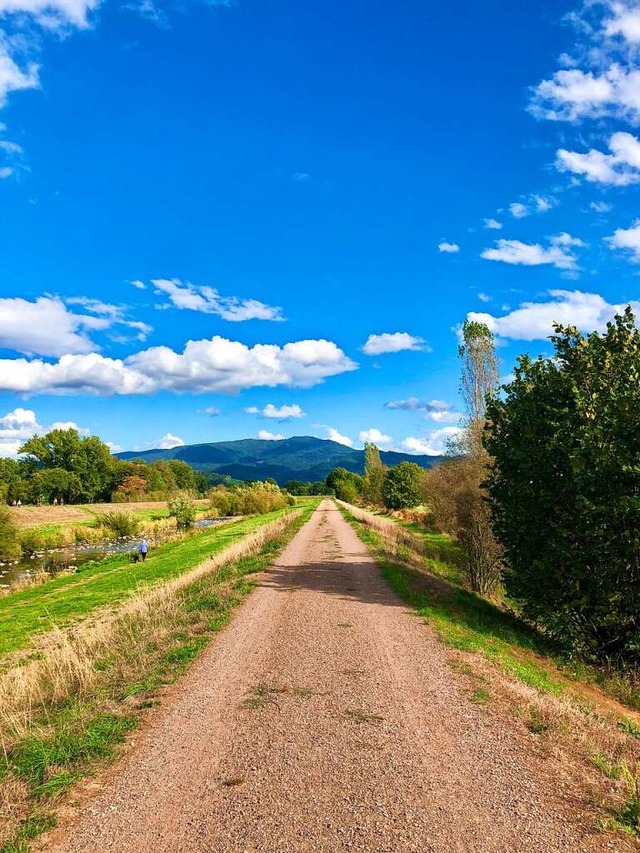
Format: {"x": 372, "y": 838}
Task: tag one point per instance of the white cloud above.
{"x": 113, "y": 447}
{"x": 265, "y": 435}
{"x": 601, "y": 206}
{"x": 51, "y": 13}
{"x": 217, "y": 365}
{"x": 435, "y": 443}
{"x": 302, "y": 177}
{"x": 169, "y": 441}
{"x": 334, "y": 435}
{"x": 139, "y": 285}
{"x": 212, "y": 411}
{"x": 625, "y": 21}
{"x": 396, "y": 342}
{"x": 281, "y": 413}
{"x": 620, "y": 168}
{"x": 484, "y": 297}
{"x": 436, "y": 410}
{"x": 13, "y": 78}
{"x": 5, "y": 172}
{"x": 557, "y": 254}
{"x": 207, "y": 300}
{"x": 573, "y": 94}
{"x": 533, "y": 320}
{"x": 543, "y": 205}
{"x": 18, "y": 426}
{"x": 48, "y": 327}
{"x": 492, "y": 224}
{"x": 448, "y": 248}
{"x": 375, "y": 436}
{"x": 627, "y": 239}
{"x": 519, "y": 210}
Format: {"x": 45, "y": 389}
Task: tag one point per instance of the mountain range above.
{"x": 299, "y": 458}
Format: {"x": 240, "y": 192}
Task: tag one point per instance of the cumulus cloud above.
{"x": 600, "y": 206}
{"x": 18, "y": 426}
{"x": 395, "y": 342}
{"x": 448, "y": 248}
{"x": 601, "y": 79}
{"x": 215, "y": 365}
{"x": 492, "y": 224}
{"x": 334, "y": 435}
{"x": 265, "y": 435}
{"x": 279, "y": 413}
{"x": 627, "y": 239}
{"x": 434, "y": 444}
{"x": 519, "y": 210}
{"x": 12, "y": 77}
{"x": 620, "y": 168}
{"x": 375, "y": 436}
{"x": 207, "y": 300}
{"x": 435, "y": 410}
{"x": 169, "y": 441}
{"x": 534, "y": 320}
{"x": 48, "y": 327}
{"x": 558, "y": 253}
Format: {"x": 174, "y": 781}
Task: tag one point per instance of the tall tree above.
{"x": 479, "y": 379}
{"x": 374, "y": 472}
{"x": 565, "y": 490}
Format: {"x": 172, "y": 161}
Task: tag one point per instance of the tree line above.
{"x": 65, "y": 467}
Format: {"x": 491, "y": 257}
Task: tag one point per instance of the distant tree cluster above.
{"x": 399, "y": 487}
{"x": 65, "y": 467}
{"x": 251, "y": 498}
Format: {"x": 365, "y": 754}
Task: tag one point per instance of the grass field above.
{"x": 55, "y": 517}
{"x": 71, "y": 597}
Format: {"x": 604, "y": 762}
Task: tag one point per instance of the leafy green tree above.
{"x": 55, "y": 484}
{"x": 403, "y": 486}
{"x": 374, "y": 473}
{"x": 183, "y": 509}
{"x": 346, "y": 485}
{"x": 565, "y": 490}
{"x": 86, "y": 457}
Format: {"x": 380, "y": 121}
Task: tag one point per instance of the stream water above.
{"x": 72, "y": 557}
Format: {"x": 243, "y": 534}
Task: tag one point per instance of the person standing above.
{"x": 143, "y": 548}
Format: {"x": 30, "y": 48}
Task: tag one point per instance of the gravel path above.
{"x": 325, "y": 718}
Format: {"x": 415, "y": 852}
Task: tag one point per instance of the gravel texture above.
{"x": 325, "y": 718}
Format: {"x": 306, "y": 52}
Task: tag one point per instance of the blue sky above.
{"x": 288, "y": 208}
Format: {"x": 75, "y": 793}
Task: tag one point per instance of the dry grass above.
{"x": 34, "y": 516}
{"x": 396, "y": 537}
{"x": 63, "y": 662}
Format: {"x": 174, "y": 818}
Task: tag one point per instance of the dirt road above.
{"x": 325, "y": 718}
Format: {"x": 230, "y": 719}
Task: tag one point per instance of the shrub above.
{"x": 256, "y": 499}
{"x": 183, "y": 509}
{"x": 402, "y": 486}
{"x": 120, "y": 523}
{"x": 9, "y": 541}
{"x": 565, "y": 490}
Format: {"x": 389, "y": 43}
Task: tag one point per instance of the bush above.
{"x": 183, "y": 509}
{"x": 402, "y": 487}
{"x": 120, "y": 523}
{"x": 565, "y": 490}
{"x": 9, "y": 541}
{"x": 256, "y": 499}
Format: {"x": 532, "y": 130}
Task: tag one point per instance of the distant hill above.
{"x": 300, "y": 458}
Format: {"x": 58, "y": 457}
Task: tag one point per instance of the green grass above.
{"x": 66, "y": 599}
{"x": 462, "y": 619}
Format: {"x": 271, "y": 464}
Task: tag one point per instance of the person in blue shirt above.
{"x": 143, "y": 548}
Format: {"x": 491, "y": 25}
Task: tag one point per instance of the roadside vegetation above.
{"x": 505, "y": 663}
{"x": 72, "y": 695}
